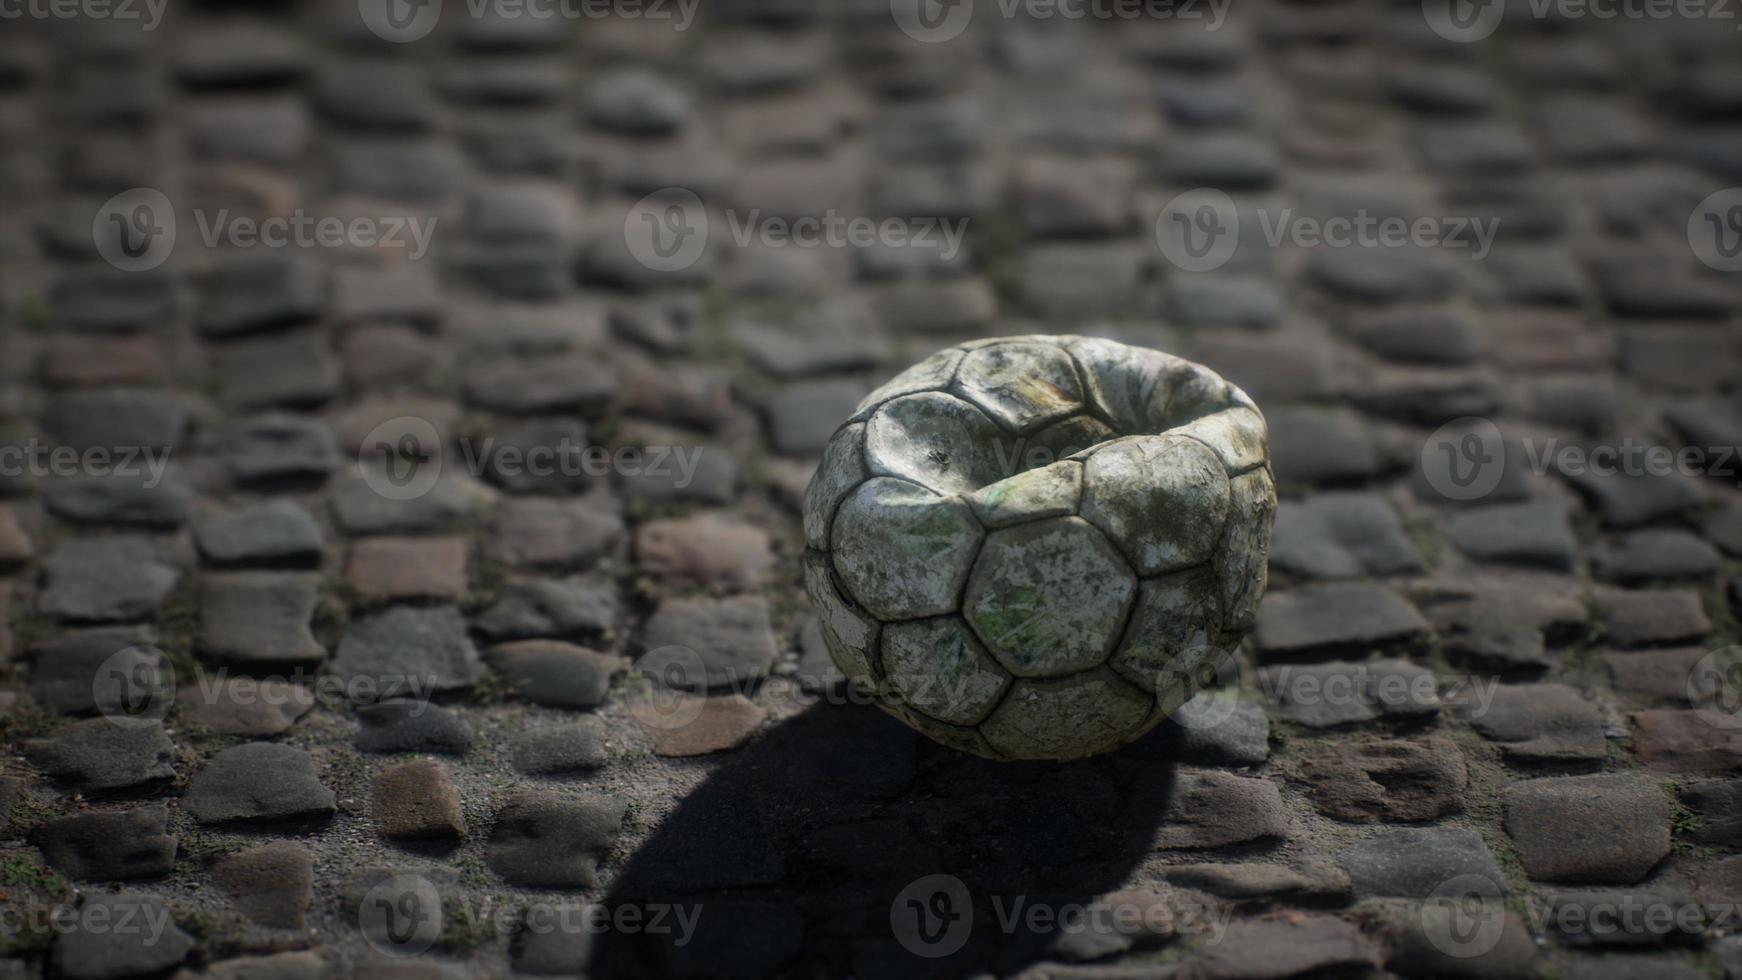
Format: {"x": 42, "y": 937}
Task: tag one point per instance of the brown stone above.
{"x": 707, "y": 550}
{"x": 409, "y": 568}
{"x": 244, "y": 706}
{"x": 271, "y": 884}
{"x": 1686, "y": 741}
{"x": 717, "y": 724}
{"x": 80, "y": 361}
{"x": 416, "y": 801}
{"x": 553, "y": 532}
{"x": 1388, "y": 780}
{"x": 1215, "y": 809}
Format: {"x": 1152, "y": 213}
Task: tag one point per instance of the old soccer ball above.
{"x": 1038, "y": 547}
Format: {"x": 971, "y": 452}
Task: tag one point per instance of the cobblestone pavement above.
{"x": 328, "y": 651}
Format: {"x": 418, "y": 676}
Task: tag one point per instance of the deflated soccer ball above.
{"x": 1039, "y": 547}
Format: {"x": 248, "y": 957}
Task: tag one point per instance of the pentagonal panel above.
{"x": 1162, "y": 499}
{"x": 1175, "y": 614}
{"x": 1051, "y": 491}
{"x": 1243, "y": 558}
{"x": 937, "y": 667}
{"x": 1049, "y": 597}
{"x": 932, "y": 374}
{"x": 902, "y": 550}
{"x": 1067, "y": 717}
{"x": 842, "y": 468}
{"x": 935, "y": 440}
{"x": 850, "y": 635}
{"x": 1022, "y": 385}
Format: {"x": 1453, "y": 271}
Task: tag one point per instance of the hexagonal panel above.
{"x": 842, "y": 468}
{"x": 1067, "y": 717}
{"x": 935, "y": 440}
{"x": 932, "y": 374}
{"x": 1021, "y": 385}
{"x": 1049, "y": 597}
{"x": 937, "y": 667}
{"x": 1243, "y": 559}
{"x": 1162, "y": 499}
{"x": 1175, "y": 614}
{"x": 850, "y": 635}
{"x": 1236, "y": 435}
{"x": 1051, "y": 491}
{"x": 902, "y": 550}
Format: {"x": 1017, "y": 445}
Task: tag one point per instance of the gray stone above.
{"x": 1652, "y": 618}
{"x": 1382, "y": 275}
{"x": 261, "y": 293}
{"x": 1622, "y": 821}
{"x": 1539, "y": 722}
{"x": 92, "y": 952}
{"x": 114, "y": 301}
{"x": 1718, "y": 804}
{"x": 105, "y": 579}
{"x": 258, "y": 782}
{"x": 1655, "y": 554}
{"x": 407, "y": 725}
{"x": 802, "y": 416}
{"x": 1314, "y": 445}
{"x": 555, "y": 674}
{"x": 637, "y": 102}
{"x": 529, "y": 608}
{"x": 269, "y": 449}
{"x": 1628, "y": 499}
{"x": 1235, "y": 301}
{"x": 408, "y": 651}
{"x": 1342, "y": 535}
{"x": 1342, "y": 692}
{"x": 117, "y": 419}
{"x": 1215, "y": 728}
{"x": 729, "y": 639}
{"x": 259, "y": 618}
{"x": 577, "y": 384}
{"x": 545, "y": 841}
{"x": 106, "y": 753}
{"x": 1328, "y": 618}
{"x": 109, "y": 845}
{"x": 290, "y": 370}
{"x": 1289, "y": 945}
{"x": 555, "y": 750}
{"x": 73, "y": 673}
{"x": 1411, "y": 862}
{"x": 243, "y": 706}
{"x": 275, "y": 533}
{"x": 120, "y": 499}
{"x": 1533, "y": 534}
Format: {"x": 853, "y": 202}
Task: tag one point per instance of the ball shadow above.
{"x": 797, "y": 853}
